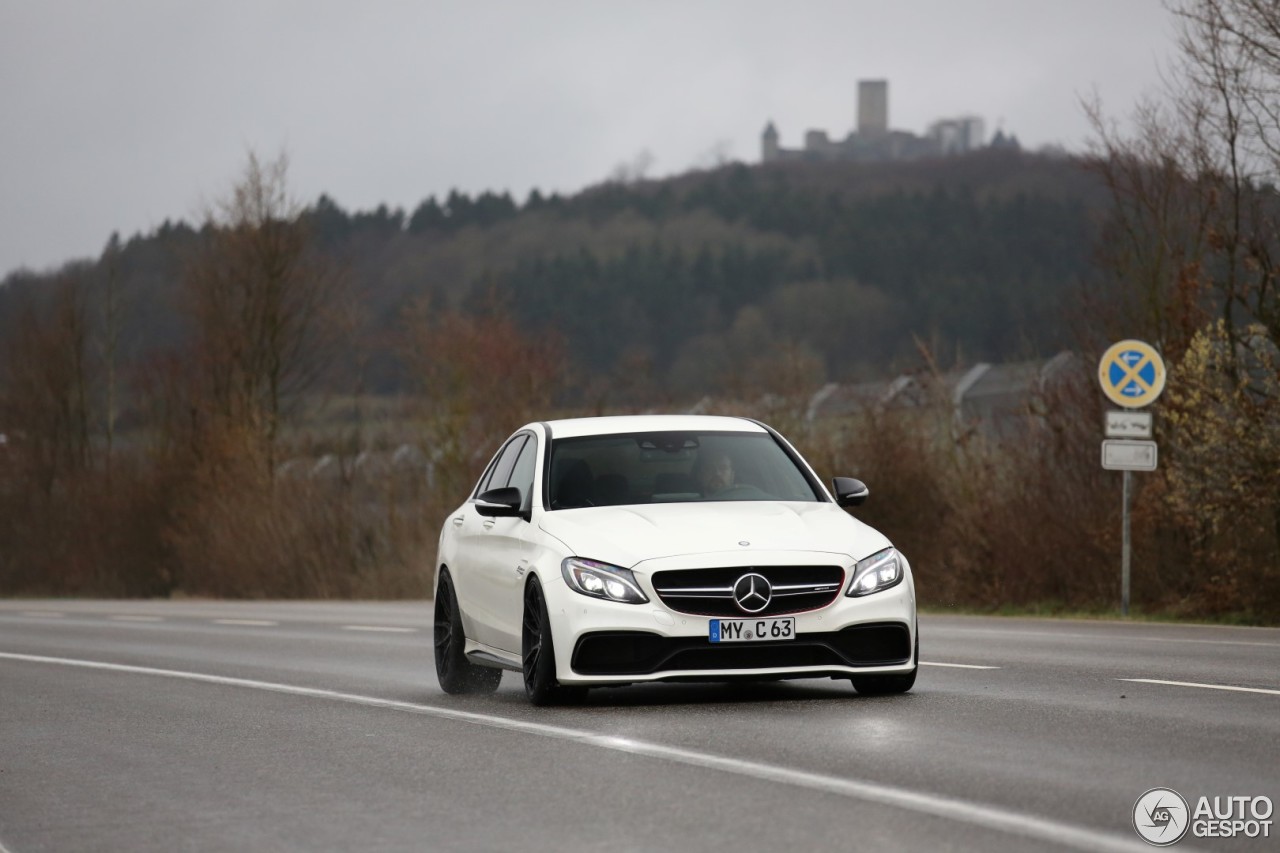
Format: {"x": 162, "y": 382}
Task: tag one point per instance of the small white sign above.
{"x": 1128, "y": 424}
{"x": 1129, "y": 455}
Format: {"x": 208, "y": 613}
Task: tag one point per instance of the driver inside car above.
{"x": 715, "y": 474}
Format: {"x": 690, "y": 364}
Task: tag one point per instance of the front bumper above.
{"x": 641, "y": 653}
{"x": 605, "y": 642}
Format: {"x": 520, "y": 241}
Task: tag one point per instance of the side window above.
{"x": 501, "y": 470}
{"x": 522, "y": 473}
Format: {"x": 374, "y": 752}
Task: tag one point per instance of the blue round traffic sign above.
{"x": 1131, "y": 373}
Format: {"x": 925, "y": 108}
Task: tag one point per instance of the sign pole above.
{"x": 1124, "y": 547}
{"x": 1132, "y": 375}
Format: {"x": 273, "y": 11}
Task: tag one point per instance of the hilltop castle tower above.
{"x": 873, "y": 107}
{"x": 770, "y": 143}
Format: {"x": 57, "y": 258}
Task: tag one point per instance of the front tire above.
{"x": 456, "y": 673}
{"x": 539, "y": 655}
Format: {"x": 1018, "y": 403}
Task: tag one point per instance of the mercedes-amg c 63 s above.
{"x": 608, "y": 551}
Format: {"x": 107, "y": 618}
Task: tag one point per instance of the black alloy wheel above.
{"x": 539, "y": 654}
{"x": 455, "y": 672}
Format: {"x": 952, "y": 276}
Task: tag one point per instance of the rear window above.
{"x": 674, "y": 467}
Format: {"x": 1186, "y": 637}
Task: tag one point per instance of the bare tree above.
{"x": 268, "y": 311}
{"x": 1229, "y": 104}
{"x": 480, "y": 377}
{"x": 109, "y": 345}
{"x": 1155, "y": 241}
{"x": 45, "y": 387}
{"x": 1196, "y": 209}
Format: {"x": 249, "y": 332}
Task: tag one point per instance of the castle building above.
{"x": 873, "y": 141}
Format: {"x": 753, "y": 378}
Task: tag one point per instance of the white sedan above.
{"x": 608, "y": 551}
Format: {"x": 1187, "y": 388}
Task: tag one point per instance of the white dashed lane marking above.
{"x": 956, "y": 665}
{"x": 383, "y": 629}
{"x": 136, "y": 618}
{"x": 265, "y": 623}
{"x": 1203, "y": 686}
{"x": 1103, "y": 638}
{"x": 45, "y": 614}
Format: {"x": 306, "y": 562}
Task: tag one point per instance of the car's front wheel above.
{"x": 455, "y": 672}
{"x": 539, "y": 655}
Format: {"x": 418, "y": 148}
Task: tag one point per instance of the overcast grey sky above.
{"x": 117, "y": 115}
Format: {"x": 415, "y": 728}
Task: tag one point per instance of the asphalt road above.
{"x": 173, "y": 726}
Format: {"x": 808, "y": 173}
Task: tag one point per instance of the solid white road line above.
{"x": 380, "y": 629}
{"x": 260, "y": 622}
{"x": 136, "y": 618}
{"x": 977, "y": 814}
{"x": 1205, "y": 686}
{"x": 956, "y": 665}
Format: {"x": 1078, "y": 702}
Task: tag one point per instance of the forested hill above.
{"x": 700, "y": 280}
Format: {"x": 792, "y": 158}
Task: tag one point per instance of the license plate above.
{"x": 752, "y": 630}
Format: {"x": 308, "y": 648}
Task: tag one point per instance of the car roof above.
{"x": 612, "y": 425}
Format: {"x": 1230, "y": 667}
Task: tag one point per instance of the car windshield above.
{"x": 673, "y": 467}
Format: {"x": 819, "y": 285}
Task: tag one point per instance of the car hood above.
{"x": 627, "y": 535}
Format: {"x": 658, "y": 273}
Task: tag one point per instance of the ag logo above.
{"x": 1161, "y": 817}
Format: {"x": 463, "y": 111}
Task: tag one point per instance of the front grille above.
{"x": 709, "y": 592}
{"x": 643, "y": 653}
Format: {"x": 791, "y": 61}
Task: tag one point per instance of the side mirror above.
{"x": 849, "y": 492}
{"x": 500, "y": 503}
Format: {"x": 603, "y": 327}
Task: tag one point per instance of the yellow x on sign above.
{"x": 1132, "y": 374}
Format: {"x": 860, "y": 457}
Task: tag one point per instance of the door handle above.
{"x": 457, "y": 520}
{"x": 488, "y": 525}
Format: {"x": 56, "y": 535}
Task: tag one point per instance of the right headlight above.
{"x": 880, "y": 571}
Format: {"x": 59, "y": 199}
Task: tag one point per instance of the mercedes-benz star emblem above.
{"x": 752, "y": 593}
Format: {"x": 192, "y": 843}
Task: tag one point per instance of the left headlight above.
{"x": 601, "y": 580}
{"x": 880, "y": 571}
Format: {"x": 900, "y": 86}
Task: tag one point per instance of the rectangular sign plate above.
{"x": 1128, "y": 424}
{"x": 1129, "y": 455}
{"x": 752, "y": 630}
